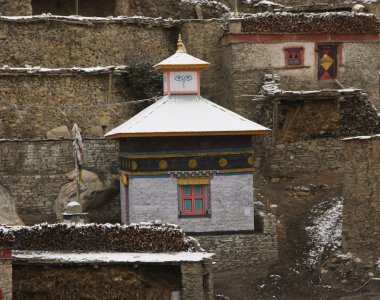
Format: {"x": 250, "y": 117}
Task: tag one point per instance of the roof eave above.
{"x": 165, "y": 134}
{"x": 180, "y": 67}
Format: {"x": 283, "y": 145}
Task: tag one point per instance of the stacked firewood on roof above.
{"x": 340, "y": 22}
{"x": 141, "y": 237}
{"x": 7, "y": 239}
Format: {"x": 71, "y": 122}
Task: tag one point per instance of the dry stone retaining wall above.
{"x": 240, "y": 250}
{"x": 15, "y": 7}
{"x": 32, "y": 105}
{"x": 61, "y": 43}
{"x": 294, "y": 159}
{"x": 361, "y": 191}
{"x": 34, "y": 171}
{"x": 6, "y": 278}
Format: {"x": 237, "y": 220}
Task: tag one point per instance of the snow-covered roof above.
{"x": 107, "y": 257}
{"x": 75, "y": 70}
{"x": 179, "y": 115}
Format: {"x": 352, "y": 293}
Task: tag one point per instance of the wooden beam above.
{"x": 275, "y": 121}
{"x": 76, "y": 7}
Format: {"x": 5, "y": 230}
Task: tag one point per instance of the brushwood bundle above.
{"x": 341, "y": 22}
{"x": 141, "y": 237}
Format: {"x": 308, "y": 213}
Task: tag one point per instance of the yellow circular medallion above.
{"x": 163, "y": 164}
{"x": 223, "y": 162}
{"x": 250, "y": 160}
{"x": 134, "y": 165}
{"x": 192, "y": 163}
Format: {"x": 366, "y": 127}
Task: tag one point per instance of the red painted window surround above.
{"x": 294, "y": 56}
{"x": 194, "y": 199}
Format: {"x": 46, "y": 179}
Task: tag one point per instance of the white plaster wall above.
{"x": 265, "y": 55}
{"x": 231, "y": 203}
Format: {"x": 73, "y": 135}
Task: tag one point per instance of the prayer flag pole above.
{"x": 78, "y": 158}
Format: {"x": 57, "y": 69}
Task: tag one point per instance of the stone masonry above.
{"x": 89, "y": 100}
{"x": 231, "y": 203}
{"x": 197, "y": 281}
{"x": 5, "y": 274}
{"x": 243, "y": 250}
{"x": 291, "y": 159}
{"x": 34, "y": 171}
{"x": 361, "y": 191}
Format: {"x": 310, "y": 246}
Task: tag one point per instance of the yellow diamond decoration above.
{"x": 326, "y": 62}
{"x": 134, "y": 165}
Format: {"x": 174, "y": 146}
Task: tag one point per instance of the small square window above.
{"x": 294, "y": 57}
{"x": 194, "y": 200}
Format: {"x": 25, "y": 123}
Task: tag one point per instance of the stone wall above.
{"x": 361, "y": 192}
{"x": 89, "y": 8}
{"x": 61, "y": 43}
{"x": 170, "y": 9}
{"x": 15, "y": 7}
{"x": 231, "y": 203}
{"x": 240, "y": 250}
{"x": 197, "y": 281}
{"x": 34, "y": 170}
{"x": 296, "y": 159}
{"x": 32, "y": 105}
{"x": 5, "y": 274}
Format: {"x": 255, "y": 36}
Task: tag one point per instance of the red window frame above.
{"x": 193, "y": 197}
{"x": 293, "y": 51}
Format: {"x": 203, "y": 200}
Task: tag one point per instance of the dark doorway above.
{"x": 89, "y": 8}
{"x": 327, "y": 62}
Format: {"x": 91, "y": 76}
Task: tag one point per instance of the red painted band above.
{"x": 295, "y": 37}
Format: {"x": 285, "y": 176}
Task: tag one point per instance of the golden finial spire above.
{"x": 180, "y": 45}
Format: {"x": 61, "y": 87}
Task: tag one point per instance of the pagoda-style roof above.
{"x": 181, "y": 60}
{"x": 185, "y": 115}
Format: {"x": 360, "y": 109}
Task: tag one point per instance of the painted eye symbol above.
{"x": 183, "y": 78}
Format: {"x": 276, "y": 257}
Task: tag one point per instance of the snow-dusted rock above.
{"x": 58, "y": 133}
{"x": 94, "y": 192}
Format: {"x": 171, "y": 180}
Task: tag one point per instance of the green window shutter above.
{"x": 198, "y": 190}
{"x": 198, "y": 204}
{"x": 187, "y": 205}
{"x": 187, "y": 189}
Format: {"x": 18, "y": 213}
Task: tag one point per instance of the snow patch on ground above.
{"x": 325, "y": 233}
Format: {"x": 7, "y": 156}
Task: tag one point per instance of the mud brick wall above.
{"x": 34, "y": 171}
{"x": 361, "y": 192}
